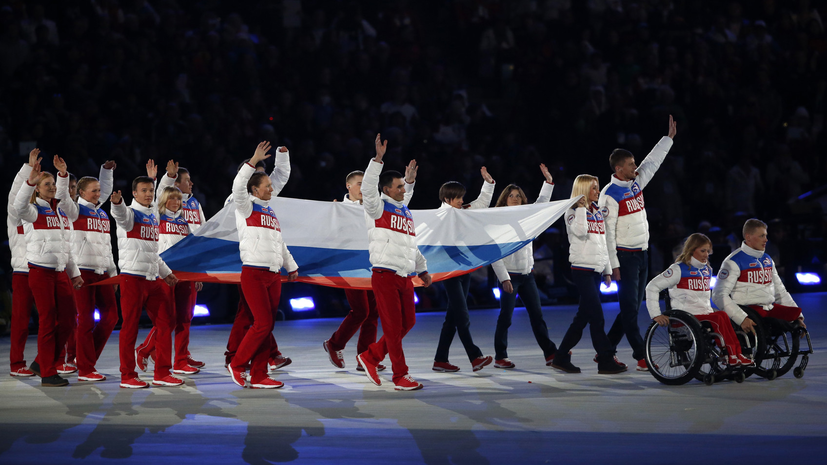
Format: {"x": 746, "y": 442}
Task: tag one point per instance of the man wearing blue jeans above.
{"x": 627, "y": 236}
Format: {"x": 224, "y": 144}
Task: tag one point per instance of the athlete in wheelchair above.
{"x": 749, "y": 288}
{"x": 690, "y": 340}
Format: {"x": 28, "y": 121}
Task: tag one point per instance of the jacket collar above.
{"x": 137, "y": 206}
{"x": 263, "y": 203}
{"x": 616, "y": 181}
{"x": 173, "y": 215}
{"x": 752, "y": 252}
{"x": 185, "y": 197}
{"x": 697, "y": 263}
{"x": 87, "y": 204}
{"x": 389, "y": 199}
{"x": 347, "y": 200}
{"x": 445, "y": 206}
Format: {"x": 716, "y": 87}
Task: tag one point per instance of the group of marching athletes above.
{"x": 61, "y": 250}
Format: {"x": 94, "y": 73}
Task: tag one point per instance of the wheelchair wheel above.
{"x": 783, "y": 344}
{"x": 755, "y": 346}
{"x": 714, "y": 360}
{"x": 675, "y": 353}
{"x": 798, "y": 372}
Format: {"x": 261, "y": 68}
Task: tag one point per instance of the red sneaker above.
{"x": 337, "y": 357}
{"x": 267, "y": 383}
{"x": 445, "y": 367}
{"x": 641, "y": 365}
{"x": 746, "y": 361}
{"x": 379, "y": 366}
{"x": 168, "y": 380}
{"x": 407, "y": 384}
{"x": 94, "y": 376}
{"x": 185, "y": 370}
{"x": 65, "y": 368}
{"x": 506, "y": 363}
{"x": 133, "y": 383}
{"x": 237, "y": 375}
{"x": 151, "y": 356}
{"x": 480, "y": 362}
{"x": 195, "y": 363}
{"x": 370, "y": 370}
{"x": 140, "y": 360}
{"x": 616, "y": 361}
{"x": 277, "y": 362}
{"x": 22, "y": 372}
{"x": 733, "y": 361}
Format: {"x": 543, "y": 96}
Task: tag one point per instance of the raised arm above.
{"x": 20, "y": 179}
{"x": 62, "y": 184}
{"x": 22, "y": 202}
{"x": 548, "y": 186}
{"x": 281, "y": 171}
{"x": 486, "y": 193}
{"x": 240, "y": 195}
{"x": 668, "y": 279}
{"x": 107, "y": 180}
{"x": 371, "y": 200}
{"x": 168, "y": 179}
{"x": 652, "y": 162}
{"x": 410, "y": 181}
{"x": 123, "y": 215}
{"x": 577, "y": 223}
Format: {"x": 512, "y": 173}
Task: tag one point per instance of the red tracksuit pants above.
{"x": 782, "y": 312}
{"x": 90, "y": 337}
{"x": 395, "y": 304}
{"x": 52, "y": 291}
{"x": 262, "y": 290}
{"x": 136, "y": 293}
{"x": 21, "y": 309}
{"x": 241, "y": 324}
{"x": 363, "y": 315}
{"x": 721, "y": 324}
{"x": 183, "y": 301}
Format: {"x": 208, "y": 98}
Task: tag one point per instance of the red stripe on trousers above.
{"x": 721, "y": 325}
{"x": 395, "y": 304}
{"x": 137, "y": 293}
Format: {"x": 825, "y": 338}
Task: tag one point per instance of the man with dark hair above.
{"x": 394, "y": 257}
{"x": 627, "y": 237}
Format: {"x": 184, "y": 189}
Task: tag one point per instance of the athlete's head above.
{"x": 46, "y": 188}
{"x": 260, "y": 186}
{"x": 184, "y": 181}
{"x": 587, "y": 186}
{"x": 89, "y": 189}
{"x": 755, "y": 234}
{"x": 143, "y": 190}
{"x": 452, "y": 193}
{"x": 170, "y": 200}
{"x": 392, "y": 184}
{"x": 511, "y": 196}
{"x": 623, "y": 164}
{"x": 353, "y": 184}
{"x": 73, "y": 187}
{"x": 698, "y": 246}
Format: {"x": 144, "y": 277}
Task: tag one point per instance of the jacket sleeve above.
{"x": 577, "y": 223}
{"x": 545, "y": 193}
{"x": 107, "y": 180}
{"x": 484, "y": 199}
{"x": 163, "y": 269}
{"x": 421, "y": 263}
{"x": 281, "y": 171}
{"x": 166, "y": 181}
{"x": 371, "y": 200}
{"x": 649, "y": 166}
{"x": 721, "y": 294}
{"x": 69, "y": 206}
{"x": 25, "y": 210}
{"x": 782, "y": 296}
{"x": 241, "y": 197}
{"x": 124, "y": 216}
{"x": 409, "y": 191}
{"x": 610, "y": 217}
{"x": 501, "y": 271}
{"x": 201, "y": 213}
{"x": 71, "y": 267}
{"x": 288, "y": 262}
{"x": 668, "y": 279}
{"x": 19, "y": 179}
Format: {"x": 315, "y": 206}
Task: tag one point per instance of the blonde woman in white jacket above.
{"x": 516, "y": 274}
{"x": 589, "y": 260}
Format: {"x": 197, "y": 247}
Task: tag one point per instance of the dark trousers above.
{"x": 457, "y": 320}
{"x": 525, "y": 285}
{"x": 590, "y": 312}
{"x": 634, "y": 275}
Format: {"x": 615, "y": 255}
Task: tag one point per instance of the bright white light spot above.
{"x": 302, "y": 304}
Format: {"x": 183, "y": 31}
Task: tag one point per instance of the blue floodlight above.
{"x": 808, "y": 279}
{"x": 416, "y": 298}
{"x": 302, "y": 304}
{"x": 610, "y": 289}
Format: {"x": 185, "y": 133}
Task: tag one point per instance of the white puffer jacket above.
{"x": 47, "y": 228}
{"x": 138, "y": 241}
{"x": 688, "y": 288}
{"x": 391, "y": 229}
{"x": 14, "y": 226}
{"x": 172, "y": 227}
{"x": 587, "y": 239}
{"x": 191, "y": 209}
{"x": 521, "y": 261}
{"x": 622, "y": 205}
{"x": 91, "y": 241}
{"x": 259, "y": 233}
{"x": 748, "y": 277}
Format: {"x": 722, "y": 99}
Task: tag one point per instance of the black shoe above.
{"x": 610, "y": 368}
{"x": 565, "y": 366}
{"x": 35, "y": 367}
{"x": 54, "y": 381}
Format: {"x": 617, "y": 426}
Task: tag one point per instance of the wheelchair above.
{"x": 688, "y": 348}
{"x": 778, "y": 347}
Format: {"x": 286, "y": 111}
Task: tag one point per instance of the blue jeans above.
{"x": 527, "y": 288}
{"x": 590, "y": 312}
{"x": 634, "y": 275}
{"x": 457, "y": 320}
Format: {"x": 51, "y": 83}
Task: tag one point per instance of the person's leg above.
{"x": 632, "y": 267}
{"x": 453, "y": 287}
{"x": 258, "y": 364}
{"x": 254, "y": 347}
{"x": 462, "y": 320}
{"x": 182, "y": 298}
{"x": 590, "y": 300}
{"x": 22, "y": 301}
{"x": 108, "y": 310}
{"x": 44, "y": 289}
{"x": 66, "y": 314}
{"x": 159, "y": 308}
{"x": 531, "y": 298}
{"x": 358, "y": 300}
{"x": 721, "y": 324}
{"x": 783, "y": 312}
{"x": 367, "y": 335}
{"x": 85, "y": 298}
{"x": 387, "y": 289}
{"x": 507, "y": 302}
{"x": 242, "y": 322}
{"x": 584, "y": 281}
{"x": 133, "y": 295}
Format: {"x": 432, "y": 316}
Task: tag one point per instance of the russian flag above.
{"x": 329, "y": 240}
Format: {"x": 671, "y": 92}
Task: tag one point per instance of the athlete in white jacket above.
{"x": 141, "y": 266}
{"x": 92, "y": 248}
{"x": 516, "y": 274}
{"x": 589, "y": 260}
{"x": 263, "y": 254}
{"x": 627, "y": 236}
{"x": 51, "y": 265}
{"x": 688, "y": 282}
{"x": 394, "y": 257}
